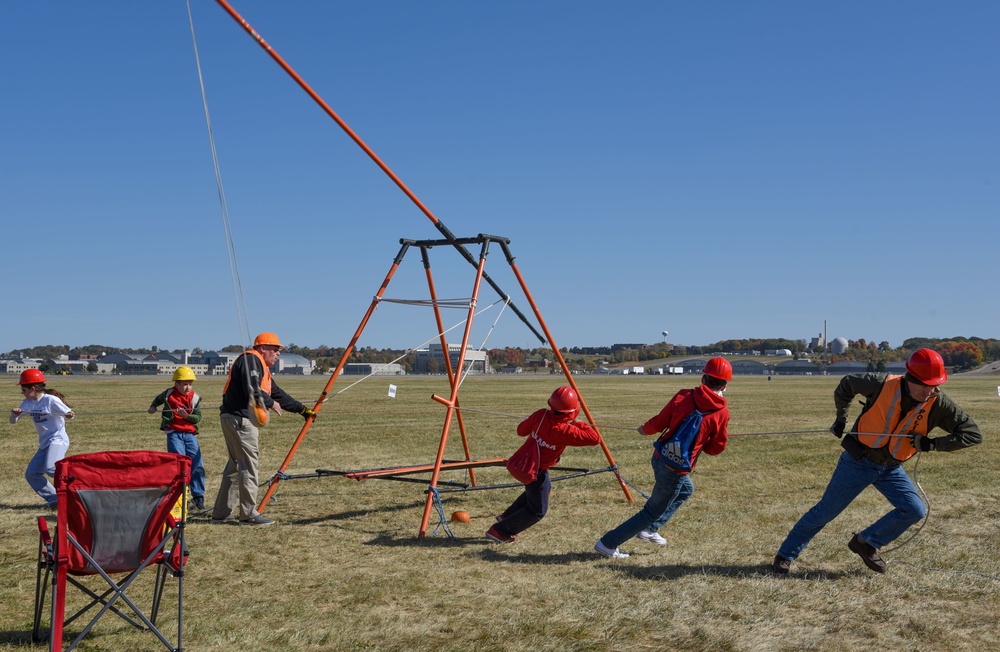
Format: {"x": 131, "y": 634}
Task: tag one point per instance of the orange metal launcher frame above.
{"x": 451, "y": 403}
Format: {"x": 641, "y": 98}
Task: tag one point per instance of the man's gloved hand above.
{"x": 307, "y": 412}
{"x": 837, "y": 429}
{"x": 923, "y": 444}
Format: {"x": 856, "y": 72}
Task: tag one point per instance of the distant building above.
{"x": 16, "y": 365}
{"x": 373, "y": 369}
{"x": 120, "y": 363}
{"x": 476, "y": 362}
{"x": 66, "y": 365}
{"x": 165, "y": 368}
{"x": 796, "y": 368}
{"x": 116, "y": 358}
{"x": 838, "y": 345}
{"x": 138, "y": 367}
{"x": 219, "y": 363}
{"x": 749, "y": 367}
{"x": 164, "y": 356}
{"x": 845, "y": 367}
{"x": 692, "y": 366}
{"x": 292, "y": 363}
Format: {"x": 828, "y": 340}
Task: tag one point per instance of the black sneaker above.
{"x": 780, "y": 565}
{"x": 198, "y": 502}
{"x": 867, "y": 552}
{"x": 259, "y": 519}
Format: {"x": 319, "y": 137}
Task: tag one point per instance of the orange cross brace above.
{"x": 424, "y": 468}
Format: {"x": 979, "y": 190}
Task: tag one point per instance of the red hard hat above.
{"x": 31, "y": 377}
{"x": 719, "y": 368}
{"x": 564, "y": 399}
{"x": 267, "y": 338}
{"x": 927, "y": 366}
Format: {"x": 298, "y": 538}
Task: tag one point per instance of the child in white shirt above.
{"x": 49, "y": 410}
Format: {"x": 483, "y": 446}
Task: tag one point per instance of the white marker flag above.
{"x": 998, "y": 390}
{"x": 392, "y": 391}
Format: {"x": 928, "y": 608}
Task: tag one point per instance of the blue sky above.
{"x": 719, "y": 170}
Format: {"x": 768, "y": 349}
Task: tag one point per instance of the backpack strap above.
{"x": 668, "y": 433}
{"x": 538, "y": 427}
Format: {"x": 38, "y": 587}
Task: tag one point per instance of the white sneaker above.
{"x": 652, "y": 537}
{"x": 613, "y": 553}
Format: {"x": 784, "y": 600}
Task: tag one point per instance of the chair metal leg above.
{"x": 58, "y": 607}
{"x": 41, "y": 587}
{"x": 161, "y": 581}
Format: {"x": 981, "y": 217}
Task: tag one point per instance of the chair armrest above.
{"x": 43, "y": 531}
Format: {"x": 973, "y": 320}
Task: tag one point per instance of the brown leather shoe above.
{"x": 868, "y": 554}
{"x": 780, "y": 565}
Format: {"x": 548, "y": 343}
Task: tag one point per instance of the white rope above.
{"x": 242, "y": 318}
{"x": 927, "y": 503}
{"x": 462, "y": 377}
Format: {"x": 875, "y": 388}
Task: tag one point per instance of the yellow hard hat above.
{"x": 267, "y": 338}
{"x": 184, "y": 373}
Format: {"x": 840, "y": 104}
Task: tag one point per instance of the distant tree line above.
{"x": 960, "y": 353}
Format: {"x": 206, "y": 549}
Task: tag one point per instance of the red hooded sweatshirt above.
{"x": 555, "y": 435}
{"x": 714, "y": 433}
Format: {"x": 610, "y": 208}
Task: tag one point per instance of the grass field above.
{"x": 343, "y": 569}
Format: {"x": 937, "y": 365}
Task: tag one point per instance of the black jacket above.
{"x": 237, "y": 396}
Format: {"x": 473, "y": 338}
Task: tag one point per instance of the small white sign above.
{"x": 998, "y": 390}
{"x": 392, "y": 391}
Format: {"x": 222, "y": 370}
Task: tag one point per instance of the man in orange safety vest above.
{"x": 899, "y": 412}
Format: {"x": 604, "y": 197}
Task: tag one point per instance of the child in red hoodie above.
{"x": 675, "y": 455}
{"x": 554, "y": 430}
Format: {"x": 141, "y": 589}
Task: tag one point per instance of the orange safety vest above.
{"x": 265, "y": 382}
{"x": 885, "y": 416}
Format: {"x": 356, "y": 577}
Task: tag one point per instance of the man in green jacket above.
{"x": 898, "y": 413}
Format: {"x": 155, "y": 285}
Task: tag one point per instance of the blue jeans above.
{"x": 528, "y": 508}
{"x": 42, "y": 464}
{"x": 186, "y": 443}
{"x": 850, "y": 478}
{"x": 670, "y": 492}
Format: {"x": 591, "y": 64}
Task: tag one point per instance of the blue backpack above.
{"x": 677, "y": 448}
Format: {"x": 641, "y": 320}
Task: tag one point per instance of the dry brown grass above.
{"x": 343, "y": 569}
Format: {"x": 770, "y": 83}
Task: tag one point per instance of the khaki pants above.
{"x": 239, "y": 478}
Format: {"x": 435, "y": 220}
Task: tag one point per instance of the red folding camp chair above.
{"x": 113, "y": 517}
